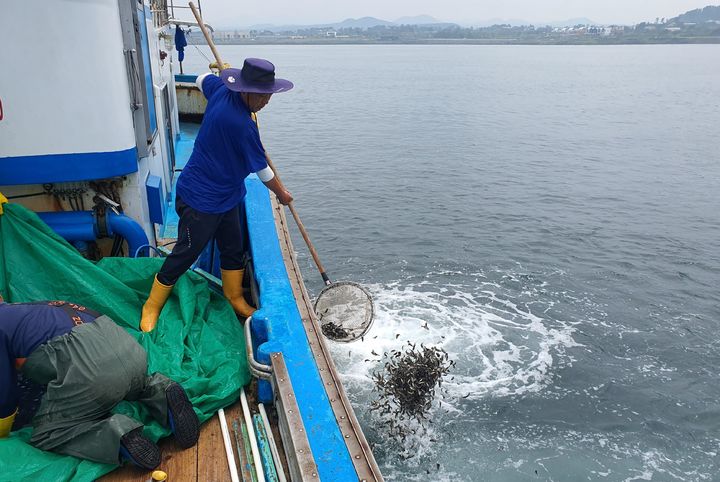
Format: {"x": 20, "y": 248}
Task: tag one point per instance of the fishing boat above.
{"x": 91, "y": 143}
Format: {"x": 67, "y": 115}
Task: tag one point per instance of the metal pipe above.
{"x": 251, "y": 434}
{"x": 228, "y": 446}
{"x": 273, "y": 446}
{"x": 73, "y": 225}
{"x": 259, "y": 370}
{"x": 128, "y": 228}
{"x": 265, "y": 454}
{"x": 84, "y": 226}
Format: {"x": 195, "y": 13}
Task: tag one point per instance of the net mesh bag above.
{"x": 345, "y": 311}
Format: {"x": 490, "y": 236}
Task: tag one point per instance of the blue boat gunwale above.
{"x": 278, "y": 327}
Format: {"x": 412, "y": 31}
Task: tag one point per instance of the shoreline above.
{"x": 675, "y": 41}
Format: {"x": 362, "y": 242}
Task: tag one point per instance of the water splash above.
{"x": 500, "y": 330}
{"x": 505, "y": 344}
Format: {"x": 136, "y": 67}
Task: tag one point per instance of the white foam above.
{"x": 502, "y": 346}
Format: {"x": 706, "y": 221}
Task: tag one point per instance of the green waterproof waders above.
{"x": 88, "y": 371}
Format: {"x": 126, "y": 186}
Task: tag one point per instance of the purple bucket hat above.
{"x": 256, "y": 76}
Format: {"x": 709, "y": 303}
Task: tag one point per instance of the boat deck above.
{"x": 207, "y": 460}
{"x": 183, "y": 149}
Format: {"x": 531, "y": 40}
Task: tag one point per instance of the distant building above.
{"x": 231, "y": 35}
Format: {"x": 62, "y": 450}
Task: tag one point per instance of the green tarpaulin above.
{"x": 198, "y": 342}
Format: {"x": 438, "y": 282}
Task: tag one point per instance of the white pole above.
{"x": 253, "y": 440}
{"x": 273, "y": 447}
{"x": 228, "y": 446}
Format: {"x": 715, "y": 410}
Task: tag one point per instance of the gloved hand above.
{"x": 3, "y": 200}
{"x": 6, "y": 425}
{"x": 214, "y": 66}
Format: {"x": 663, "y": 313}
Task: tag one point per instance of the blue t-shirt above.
{"x": 226, "y": 150}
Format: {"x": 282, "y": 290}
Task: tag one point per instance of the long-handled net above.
{"x": 345, "y": 311}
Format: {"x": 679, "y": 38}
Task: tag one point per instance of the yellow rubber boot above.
{"x": 154, "y": 305}
{"x": 6, "y": 424}
{"x": 3, "y": 200}
{"x": 233, "y": 290}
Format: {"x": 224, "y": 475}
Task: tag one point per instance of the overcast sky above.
{"x": 239, "y": 13}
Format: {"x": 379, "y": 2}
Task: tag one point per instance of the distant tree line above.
{"x": 644, "y": 32}
{"x": 699, "y": 26}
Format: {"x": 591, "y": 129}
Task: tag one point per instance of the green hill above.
{"x": 699, "y": 15}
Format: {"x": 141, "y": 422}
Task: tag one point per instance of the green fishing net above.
{"x": 198, "y": 341}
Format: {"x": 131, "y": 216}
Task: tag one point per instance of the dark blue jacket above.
{"x": 24, "y": 327}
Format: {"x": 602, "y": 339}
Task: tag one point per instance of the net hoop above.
{"x": 342, "y": 331}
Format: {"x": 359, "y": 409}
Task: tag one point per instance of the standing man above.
{"x": 211, "y": 187}
{"x": 88, "y": 365}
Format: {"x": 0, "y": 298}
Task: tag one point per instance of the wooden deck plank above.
{"x": 178, "y": 462}
{"x": 126, "y": 473}
{"x": 204, "y": 462}
{"x": 212, "y": 463}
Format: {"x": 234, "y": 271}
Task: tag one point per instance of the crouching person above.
{"x": 88, "y": 365}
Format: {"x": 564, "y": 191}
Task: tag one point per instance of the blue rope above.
{"x": 157, "y": 251}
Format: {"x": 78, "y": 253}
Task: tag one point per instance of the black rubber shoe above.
{"x": 140, "y": 450}
{"x": 183, "y": 420}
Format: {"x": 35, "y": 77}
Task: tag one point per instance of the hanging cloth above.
{"x": 180, "y": 42}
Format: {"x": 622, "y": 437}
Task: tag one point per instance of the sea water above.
{"x": 551, "y": 213}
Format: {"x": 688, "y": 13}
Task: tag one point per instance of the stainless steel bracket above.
{"x": 259, "y": 370}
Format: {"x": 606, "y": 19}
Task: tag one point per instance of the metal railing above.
{"x": 164, "y": 10}
{"x": 181, "y": 7}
